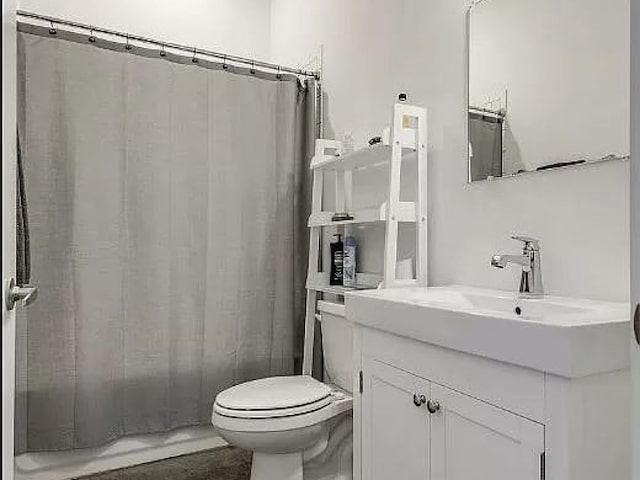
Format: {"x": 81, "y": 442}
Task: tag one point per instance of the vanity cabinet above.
{"x": 427, "y": 412}
{"x": 416, "y": 429}
{"x": 473, "y": 439}
{"x": 395, "y": 432}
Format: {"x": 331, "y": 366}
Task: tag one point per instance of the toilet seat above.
{"x": 274, "y": 413}
{"x": 341, "y": 403}
{"x": 317, "y": 402}
{"x": 273, "y": 397}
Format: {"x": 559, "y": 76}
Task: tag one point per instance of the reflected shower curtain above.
{"x": 167, "y": 204}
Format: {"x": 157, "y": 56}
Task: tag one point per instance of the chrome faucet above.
{"x": 531, "y": 279}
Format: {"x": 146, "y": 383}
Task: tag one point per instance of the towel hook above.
{"x": 52, "y": 30}
{"x": 224, "y": 63}
{"x": 92, "y": 38}
{"x": 195, "y": 59}
{"x": 162, "y": 51}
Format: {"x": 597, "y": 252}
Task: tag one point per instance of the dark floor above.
{"x": 225, "y": 463}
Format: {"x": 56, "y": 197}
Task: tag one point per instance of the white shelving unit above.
{"x": 406, "y": 212}
{"x": 407, "y": 139}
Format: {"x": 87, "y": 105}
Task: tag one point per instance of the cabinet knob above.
{"x": 419, "y": 400}
{"x": 433, "y": 406}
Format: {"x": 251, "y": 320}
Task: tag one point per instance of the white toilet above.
{"x": 296, "y": 426}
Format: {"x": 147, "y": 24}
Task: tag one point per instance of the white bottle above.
{"x": 347, "y": 144}
{"x": 349, "y": 262}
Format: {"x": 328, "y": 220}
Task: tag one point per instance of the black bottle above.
{"x": 337, "y": 258}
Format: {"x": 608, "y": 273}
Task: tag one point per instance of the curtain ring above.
{"x": 92, "y": 38}
{"x": 52, "y": 30}
{"x": 195, "y": 59}
{"x": 253, "y": 67}
{"x": 278, "y": 75}
{"x": 224, "y": 63}
{"x": 162, "y": 51}
{"x": 128, "y": 46}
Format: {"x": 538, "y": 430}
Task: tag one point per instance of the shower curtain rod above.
{"x": 53, "y": 21}
{"x": 487, "y": 111}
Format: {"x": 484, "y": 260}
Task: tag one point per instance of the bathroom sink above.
{"x": 563, "y": 336}
{"x": 558, "y": 310}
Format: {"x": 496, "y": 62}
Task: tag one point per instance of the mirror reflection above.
{"x": 548, "y": 85}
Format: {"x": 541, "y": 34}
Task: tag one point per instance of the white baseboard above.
{"x": 128, "y": 451}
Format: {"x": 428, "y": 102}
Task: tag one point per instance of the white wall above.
{"x": 374, "y": 49}
{"x": 567, "y": 76}
{"x": 239, "y": 27}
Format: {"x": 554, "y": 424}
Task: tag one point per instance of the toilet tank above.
{"x": 337, "y": 345}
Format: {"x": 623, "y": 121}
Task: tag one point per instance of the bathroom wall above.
{"x": 374, "y": 49}
{"x": 239, "y": 27}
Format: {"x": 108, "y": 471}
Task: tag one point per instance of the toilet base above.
{"x": 269, "y": 466}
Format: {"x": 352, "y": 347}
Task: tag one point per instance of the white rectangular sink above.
{"x": 563, "y": 336}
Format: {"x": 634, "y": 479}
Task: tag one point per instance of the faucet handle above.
{"x": 529, "y": 242}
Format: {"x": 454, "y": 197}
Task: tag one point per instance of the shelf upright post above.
{"x": 315, "y": 238}
{"x": 393, "y": 198}
{"x": 422, "y": 199}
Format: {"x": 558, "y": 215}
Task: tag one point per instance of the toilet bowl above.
{"x": 292, "y": 421}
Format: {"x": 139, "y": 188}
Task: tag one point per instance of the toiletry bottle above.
{"x": 349, "y": 262}
{"x": 337, "y": 257}
{"x": 347, "y": 144}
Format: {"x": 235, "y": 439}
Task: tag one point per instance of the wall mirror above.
{"x": 548, "y": 85}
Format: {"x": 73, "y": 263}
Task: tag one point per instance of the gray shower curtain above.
{"x": 167, "y": 204}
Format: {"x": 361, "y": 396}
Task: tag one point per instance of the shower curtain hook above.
{"x": 92, "y": 38}
{"x": 253, "y": 67}
{"x": 278, "y": 75}
{"x": 195, "y": 59}
{"x": 128, "y": 46}
{"x": 52, "y": 30}
{"x": 224, "y": 63}
{"x": 162, "y": 52}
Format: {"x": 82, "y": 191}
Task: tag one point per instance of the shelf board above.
{"x": 376, "y": 155}
{"x": 320, "y": 283}
{"x": 406, "y": 214}
{"x": 332, "y": 289}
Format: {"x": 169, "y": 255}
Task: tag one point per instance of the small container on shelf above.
{"x": 337, "y": 261}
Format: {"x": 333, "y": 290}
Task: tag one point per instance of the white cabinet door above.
{"x": 395, "y": 431}
{"x": 471, "y": 439}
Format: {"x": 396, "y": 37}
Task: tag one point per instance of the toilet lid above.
{"x": 274, "y": 393}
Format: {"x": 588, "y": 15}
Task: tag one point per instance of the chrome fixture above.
{"x": 433, "y": 406}
{"x": 419, "y": 400}
{"x": 93, "y": 29}
{"x": 531, "y": 279}
{"x": 25, "y": 294}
